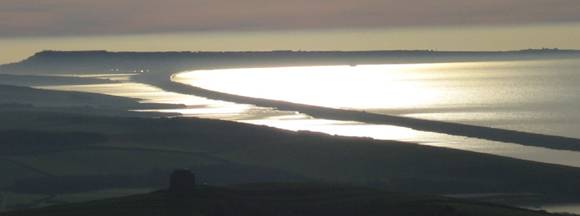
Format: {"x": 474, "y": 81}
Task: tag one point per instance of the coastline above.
{"x": 164, "y": 81}
{"x": 397, "y": 165}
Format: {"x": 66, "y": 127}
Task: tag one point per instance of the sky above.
{"x": 27, "y": 26}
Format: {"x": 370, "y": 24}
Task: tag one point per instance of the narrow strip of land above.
{"x": 164, "y": 81}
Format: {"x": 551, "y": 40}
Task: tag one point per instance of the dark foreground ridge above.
{"x": 136, "y": 153}
{"x": 282, "y": 199}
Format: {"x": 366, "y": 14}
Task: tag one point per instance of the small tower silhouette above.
{"x": 182, "y": 180}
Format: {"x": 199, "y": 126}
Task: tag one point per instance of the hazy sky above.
{"x": 66, "y": 17}
{"x": 33, "y": 24}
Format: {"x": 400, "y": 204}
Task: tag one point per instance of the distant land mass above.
{"x": 104, "y": 61}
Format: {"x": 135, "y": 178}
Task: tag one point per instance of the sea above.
{"x": 538, "y": 96}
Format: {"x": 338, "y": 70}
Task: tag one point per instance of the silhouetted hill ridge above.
{"x": 51, "y": 61}
{"x": 281, "y": 199}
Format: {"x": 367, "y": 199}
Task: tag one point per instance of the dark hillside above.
{"x": 281, "y": 200}
{"x": 139, "y": 146}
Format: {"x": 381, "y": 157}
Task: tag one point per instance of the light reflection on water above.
{"x": 146, "y": 93}
{"x": 389, "y": 132}
{"x": 331, "y": 86}
{"x": 206, "y": 108}
{"x": 123, "y": 77}
{"x": 561, "y": 208}
{"x": 397, "y": 98}
{"x": 534, "y": 96}
{"x": 196, "y": 106}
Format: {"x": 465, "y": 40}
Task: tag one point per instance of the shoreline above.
{"x": 164, "y": 80}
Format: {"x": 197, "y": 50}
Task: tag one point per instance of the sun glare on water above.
{"x": 381, "y": 86}
{"x": 366, "y": 87}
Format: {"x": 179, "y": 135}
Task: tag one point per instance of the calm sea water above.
{"x": 533, "y": 96}
{"x": 536, "y": 96}
{"x": 541, "y": 96}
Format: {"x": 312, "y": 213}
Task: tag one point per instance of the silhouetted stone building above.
{"x": 182, "y": 180}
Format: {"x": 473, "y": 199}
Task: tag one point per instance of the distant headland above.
{"x": 52, "y": 61}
